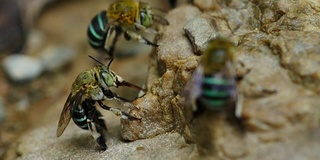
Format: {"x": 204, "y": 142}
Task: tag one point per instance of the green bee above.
{"x": 93, "y": 86}
{"x": 213, "y": 83}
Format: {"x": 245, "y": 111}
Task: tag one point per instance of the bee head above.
{"x": 218, "y": 53}
{"x": 146, "y": 18}
{"x": 107, "y": 78}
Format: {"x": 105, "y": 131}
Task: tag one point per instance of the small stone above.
{"x": 199, "y": 31}
{"x": 21, "y": 67}
{"x": 56, "y": 57}
{"x": 23, "y": 104}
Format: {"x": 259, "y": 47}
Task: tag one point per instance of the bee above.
{"x": 213, "y": 83}
{"x": 125, "y": 16}
{"x": 89, "y": 87}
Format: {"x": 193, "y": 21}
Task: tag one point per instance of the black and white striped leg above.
{"x": 133, "y": 35}
{"x": 124, "y": 101}
{"x": 118, "y": 112}
{"x": 97, "y": 134}
{"x": 117, "y": 31}
{"x": 97, "y": 126}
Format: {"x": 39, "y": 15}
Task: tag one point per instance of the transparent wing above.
{"x": 229, "y": 73}
{"x": 65, "y": 116}
{"x": 193, "y": 87}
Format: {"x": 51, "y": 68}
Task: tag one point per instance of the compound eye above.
{"x": 145, "y": 19}
{"x": 107, "y": 78}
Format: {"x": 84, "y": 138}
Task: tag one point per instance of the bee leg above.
{"x": 98, "y": 118}
{"x": 97, "y": 126}
{"x": 118, "y": 112}
{"x": 110, "y": 95}
{"x": 117, "y": 30}
{"x": 125, "y": 102}
{"x": 132, "y": 35}
{"x": 97, "y": 133}
{"x": 235, "y": 111}
{"x": 140, "y": 27}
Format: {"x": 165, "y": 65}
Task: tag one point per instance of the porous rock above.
{"x": 162, "y": 109}
{"x": 199, "y": 31}
{"x": 277, "y": 58}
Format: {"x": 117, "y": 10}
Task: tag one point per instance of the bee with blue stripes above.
{"x": 123, "y": 16}
{"x": 93, "y": 86}
{"x": 213, "y": 83}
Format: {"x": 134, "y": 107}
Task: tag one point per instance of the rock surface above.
{"x": 280, "y": 53}
{"x": 161, "y": 108}
{"x": 199, "y": 31}
{"x": 80, "y": 145}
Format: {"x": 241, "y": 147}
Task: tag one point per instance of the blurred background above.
{"x": 43, "y": 47}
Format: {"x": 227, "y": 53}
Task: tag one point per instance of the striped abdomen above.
{"x": 216, "y": 92}
{"x": 79, "y": 117}
{"x": 97, "y": 30}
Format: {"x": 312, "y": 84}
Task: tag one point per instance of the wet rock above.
{"x": 20, "y": 68}
{"x": 55, "y": 57}
{"x": 199, "y": 31}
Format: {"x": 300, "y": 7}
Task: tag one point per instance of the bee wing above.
{"x": 229, "y": 73}
{"x": 72, "y": 101}
{"x": 193, "y": 87}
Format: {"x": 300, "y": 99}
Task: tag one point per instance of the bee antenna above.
{"x": 109, "y": 63}
{"x": 98, "y": 61}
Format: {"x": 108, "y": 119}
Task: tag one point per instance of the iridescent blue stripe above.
{"x": 94, "y": 33}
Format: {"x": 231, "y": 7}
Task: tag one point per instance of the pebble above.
{"x": 20, "y": 67}
{"x": 199, "y": 32}
{"x": 55, "y": 57}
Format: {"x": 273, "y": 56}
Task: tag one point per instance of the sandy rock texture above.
{"x": 42, "y": 144}
{"x": 278, "y": 58}
{"x": 162, "y": 109}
